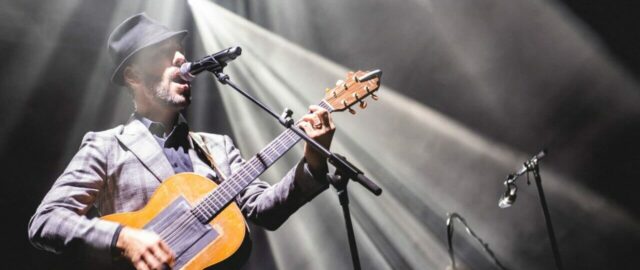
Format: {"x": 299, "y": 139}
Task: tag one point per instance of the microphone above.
{"x": 214, "y": 63}
{"x": 509, "y": 196}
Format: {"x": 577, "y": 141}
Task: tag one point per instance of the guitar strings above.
{"x": 178, "y": 227}
{"x": 288, "y": 135}
{"x": 284, "y": 143}
{"x": 172, "y": 232}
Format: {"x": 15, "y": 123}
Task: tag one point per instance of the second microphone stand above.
{"x": 508, "y": 199}
{"x": 344, "y": 169}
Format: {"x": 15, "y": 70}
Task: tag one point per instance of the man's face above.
{"x": 159, "y": 68}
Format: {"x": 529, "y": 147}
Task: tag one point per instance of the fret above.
{"x": 207, "y": 209}
{"x": 254, "y": 167}
{"x": 223, "y": 190}
{"x": 237, "y": 186}
{"x": 278, "y": 148}
{"x": 204, "y": 211}
{"x": 216, "y": 202}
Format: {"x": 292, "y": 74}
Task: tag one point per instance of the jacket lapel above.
{"x": 139, "y": 140}
{"x": 200, "y": 165}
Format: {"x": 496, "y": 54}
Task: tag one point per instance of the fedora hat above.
{"x": 131, "y": 36}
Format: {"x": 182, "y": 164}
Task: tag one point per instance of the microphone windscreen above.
{"x": 184, "y": 72}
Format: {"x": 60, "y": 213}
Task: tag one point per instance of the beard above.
{"x": 159, "y": 88}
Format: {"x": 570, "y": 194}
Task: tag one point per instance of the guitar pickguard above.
{"x": 187, "y": 237}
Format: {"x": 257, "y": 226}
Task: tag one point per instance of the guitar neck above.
{"x": 226, "y": 192}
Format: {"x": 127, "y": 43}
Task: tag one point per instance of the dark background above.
{"x": 590, "y": 120}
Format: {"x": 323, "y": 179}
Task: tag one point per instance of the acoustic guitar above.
{"x": 199, "y": 219}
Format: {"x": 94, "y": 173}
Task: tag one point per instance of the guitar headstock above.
{"x": 354, "y": 89}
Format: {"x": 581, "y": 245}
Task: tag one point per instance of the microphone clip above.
{"x": 285, "y": 118}
{"x": 213, "y": 65}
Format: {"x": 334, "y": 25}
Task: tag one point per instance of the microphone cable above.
{"x": 485, "y": 246}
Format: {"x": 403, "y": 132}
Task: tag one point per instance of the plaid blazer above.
{"x": 118, "y": 170}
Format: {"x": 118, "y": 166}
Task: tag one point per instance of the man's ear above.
{"x": 131, "y": 76}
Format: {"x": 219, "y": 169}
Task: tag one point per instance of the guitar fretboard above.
{"x": 225, "y": 193}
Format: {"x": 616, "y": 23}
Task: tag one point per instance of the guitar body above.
{"x": 220, "y": 243}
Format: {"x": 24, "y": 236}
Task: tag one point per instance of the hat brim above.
{"x": 117, "y": 77}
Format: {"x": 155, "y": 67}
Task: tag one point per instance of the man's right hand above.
{"x": 144, "y": 249}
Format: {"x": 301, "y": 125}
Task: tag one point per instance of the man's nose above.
{"x": 179, "y": 59}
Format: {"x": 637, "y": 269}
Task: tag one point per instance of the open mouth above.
{"x": 177, "y": 79}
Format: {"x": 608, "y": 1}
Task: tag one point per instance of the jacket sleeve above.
{"x": 60, "y": 222}
{"x": 270, "y": 205}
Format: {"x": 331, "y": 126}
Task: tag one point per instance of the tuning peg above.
{"x": 339, "y": 82}
{"x": 373, "y": 74}
{"x": 326, "y": 90}
{"x": 344, "y": 103}
{"x": 374, "y": 97}
{"x": 363, "y": 104}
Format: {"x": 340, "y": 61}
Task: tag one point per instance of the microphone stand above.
{"x": 532, "y": 166}
{"x": 338, "y": 180}
{"x": 547, "y": 216}
{"x": 344, "y": 169}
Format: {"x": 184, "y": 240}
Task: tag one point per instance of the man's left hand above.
{"x": 319, "y": 126}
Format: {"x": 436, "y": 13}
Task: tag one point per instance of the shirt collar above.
{"x": 157, "y": 129}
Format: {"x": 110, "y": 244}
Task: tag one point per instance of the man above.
{"x": 117, "y": 170}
